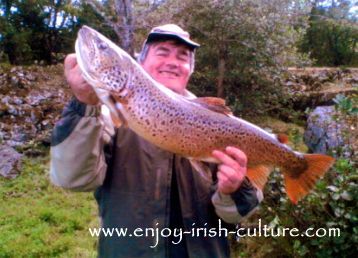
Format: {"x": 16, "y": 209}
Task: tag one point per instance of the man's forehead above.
{"x": 170, "y": 43}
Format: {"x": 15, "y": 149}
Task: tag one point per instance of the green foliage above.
{"x": 87, "y": 16}
{"x": 332, "y": 36}
{"x": 40, "y": 220}
{"x": 36, "y": 30}
{"x": 246, "y": 45}
{"x": 346, "y": 105}
{"x": 332, "y": 204}
{"x": 43, "y": 30}
{"x": 295, "y": 138}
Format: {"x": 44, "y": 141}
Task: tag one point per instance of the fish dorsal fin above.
{"x": 213, "y": 104}
{"x": 282, "y": 138}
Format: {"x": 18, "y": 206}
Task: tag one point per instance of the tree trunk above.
{"x": 221, "y": 76}
{"x": 125, "y": 24}
{"x": 124, "y": 21}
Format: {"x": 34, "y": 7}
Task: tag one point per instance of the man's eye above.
{"x": 184, "y": 58}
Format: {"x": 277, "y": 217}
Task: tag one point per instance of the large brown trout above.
{"x": 192, "y": 128}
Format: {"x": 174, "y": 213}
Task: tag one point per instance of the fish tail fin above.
{"x": 298, "y": 187}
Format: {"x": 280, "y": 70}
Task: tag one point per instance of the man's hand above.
{"x": 232, "y": 170}
{"x": 80, "y": 88}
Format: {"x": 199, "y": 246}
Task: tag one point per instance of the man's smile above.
{"x": 169, "y": 73}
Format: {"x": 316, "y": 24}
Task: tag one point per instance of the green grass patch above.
{"x": 38, "y": 219}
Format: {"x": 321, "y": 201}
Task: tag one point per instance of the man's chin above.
{"x": 171, "y": 84}
{"x": 176, "y": 89}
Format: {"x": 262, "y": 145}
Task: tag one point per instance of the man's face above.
{"x": 169, "y": 64}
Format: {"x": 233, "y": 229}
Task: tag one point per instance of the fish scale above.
{"x": 192, "y": 128}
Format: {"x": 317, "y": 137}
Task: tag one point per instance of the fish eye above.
{"x": 102, "y": 45}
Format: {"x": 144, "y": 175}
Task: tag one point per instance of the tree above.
{"x": 332, "y": 36}
{"x": 35, "y": 29}
{"x": 121, "y": 16}
{"x": 245, "y": 47}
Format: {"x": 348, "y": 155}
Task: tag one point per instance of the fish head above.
{"x": 104, "y": 65}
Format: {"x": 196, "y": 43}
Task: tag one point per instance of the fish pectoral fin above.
{"x": 113, "y": 107}
{"x": 202, "y": 168}
{"x": 110, "y": 117}
{"x": 116, "y": 114}
{"x": 214, "y": 104}
{"x": 298, "y": 187}
{"x": 258, "y": 175}
{"x": 117, "y": 122}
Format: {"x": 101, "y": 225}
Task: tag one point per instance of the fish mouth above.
{"x": 86, "y": 34}
{"x": 85, "y": 42}
{"x": 85, "y": 51}
{"x": 92, "y": 45}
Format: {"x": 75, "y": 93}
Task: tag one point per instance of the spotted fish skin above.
{"x": 184, "y": 126}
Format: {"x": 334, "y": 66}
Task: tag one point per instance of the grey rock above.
{"x": 5, "y": 100}
{"x": 17, "y": 101}
{"x": 10, "y": 162}
{"x": 30, "y": 77}
{"x": 19, "y": 134}
{"x": 12, "y": 110}
{"x": 15, "y": 81}
{"x": 324, "y": 133}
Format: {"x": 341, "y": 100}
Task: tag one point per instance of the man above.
{"x": 139, "y": 186}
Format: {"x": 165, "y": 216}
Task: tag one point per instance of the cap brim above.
{"x": 155, "y": 36}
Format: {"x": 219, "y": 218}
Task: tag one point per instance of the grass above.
{"x": 38, "y": 219}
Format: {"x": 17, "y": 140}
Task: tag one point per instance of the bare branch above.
{"x": 151, "y": 9}
{"x": 98, "y": 8}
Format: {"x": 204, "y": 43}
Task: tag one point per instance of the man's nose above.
{"x": 172, "y": 62}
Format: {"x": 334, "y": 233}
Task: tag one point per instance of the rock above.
{"x": 30, "y": 77}
{"x": 5, "y": 100}
{"x": 10, "y": 162}
{"x": 15, "y": 81}
{"x": 3, "y": 109}
{"x": 36, "y": 116}
{"x": 31, "y": 100}
{"x": 13, "y": 69}
{"x": 324, "y": 134}
{"x": 311, "y": 87}
{"x": 17, "y": 101}
{"x": 12, "y": 110}
{"x": 20, "y": 137}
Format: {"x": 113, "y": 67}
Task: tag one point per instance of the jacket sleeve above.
{"x": 77, "y": 148}
{"x": 238, "y": 205}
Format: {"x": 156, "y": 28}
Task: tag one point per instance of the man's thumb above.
{"x": 70, "y": 61}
